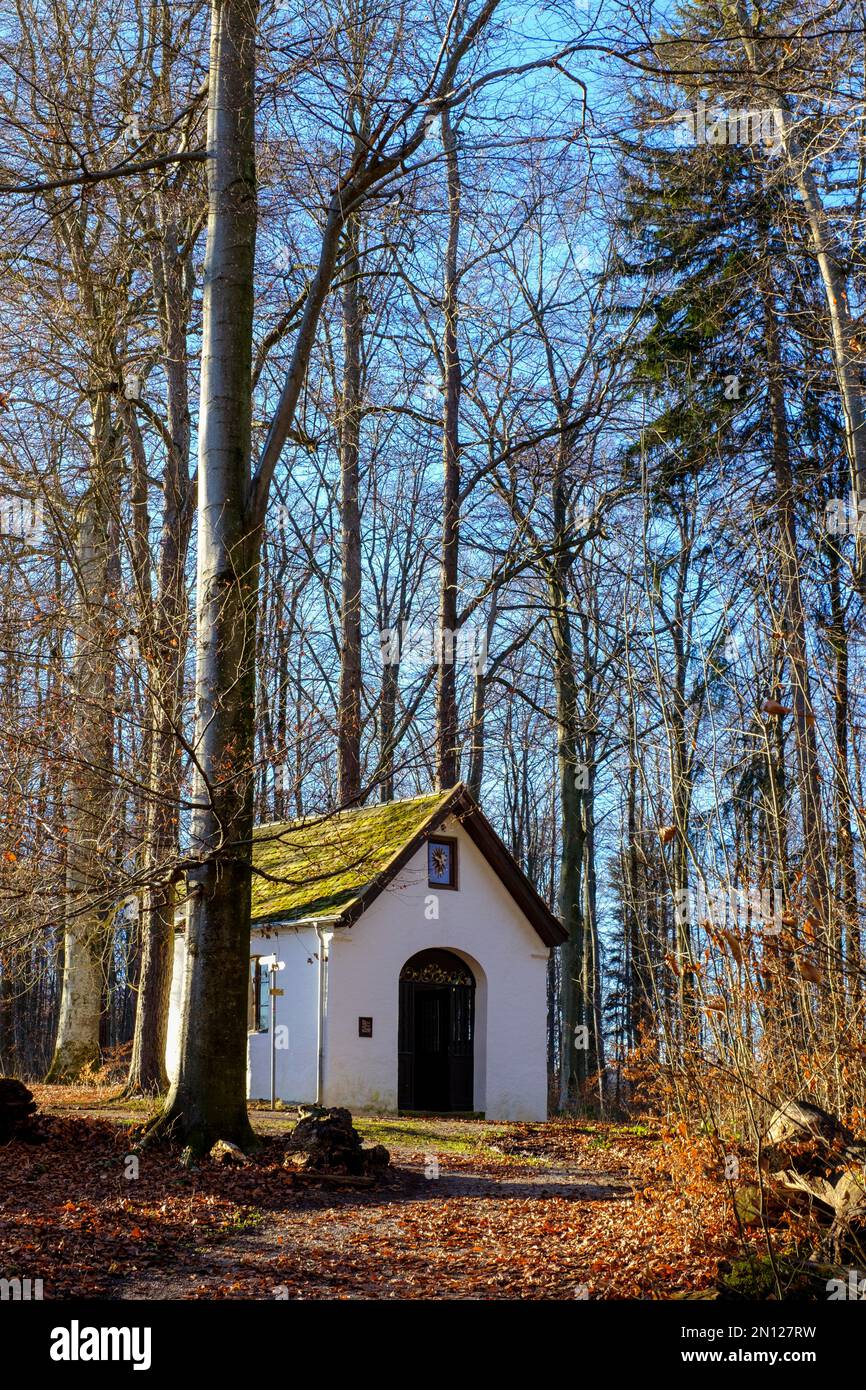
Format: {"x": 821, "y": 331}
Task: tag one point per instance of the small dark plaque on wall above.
{"x": 365, "y": 1027}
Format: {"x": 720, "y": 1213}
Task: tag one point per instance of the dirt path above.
{"x": 442, "y": 1226}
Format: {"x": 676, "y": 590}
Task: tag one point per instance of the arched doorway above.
{"x": 437, "y": 1032}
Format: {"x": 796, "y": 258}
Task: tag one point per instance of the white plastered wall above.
{"x": 479, "y": 921}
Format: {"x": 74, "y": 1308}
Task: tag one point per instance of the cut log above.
{"x": 808, "y": 1153}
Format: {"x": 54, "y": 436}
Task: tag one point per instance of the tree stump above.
{"x": 17, "y": 1107}
{"x": 325, "y": 1141}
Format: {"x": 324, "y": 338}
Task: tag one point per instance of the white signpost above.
{"x": 273, "y": 965}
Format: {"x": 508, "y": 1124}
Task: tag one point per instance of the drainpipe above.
{"x": 325, "y": 934}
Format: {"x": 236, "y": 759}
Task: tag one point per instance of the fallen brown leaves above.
{"x": 74, "y": 1214}
{"x": 677, "y": 1226}
{"x": 565, "y": 1211}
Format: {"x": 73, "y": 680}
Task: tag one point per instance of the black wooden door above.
{"x": 460, "y": 1047}
{"x": 435, "y": 1063}
{"x": 432, "y": 1052}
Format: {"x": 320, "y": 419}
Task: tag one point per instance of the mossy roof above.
{"x": 320, "y": 866}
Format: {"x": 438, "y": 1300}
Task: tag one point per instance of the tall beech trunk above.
{"x": 165, "y": 633}
{"x": 349, "y": 713}
{"x": 208, "y": 1100}
{"x": 88, "y": 793}
{"x": 575, "y": 1009}
{"x": 447, "y": 752}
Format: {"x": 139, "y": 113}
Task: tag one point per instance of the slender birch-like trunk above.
{"x": 349, "y": 711}
{"x": 447, "y": 753}
{"x": 208, "y": 1100}
{"x": 808, "y": 773}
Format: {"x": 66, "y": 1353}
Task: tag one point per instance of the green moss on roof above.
{"x": 317, "y": 867}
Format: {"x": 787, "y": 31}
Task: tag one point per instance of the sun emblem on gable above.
{"x": 441, "y": 864}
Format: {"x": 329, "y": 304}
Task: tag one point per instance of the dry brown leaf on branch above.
{"x": 773, "y": 708}
{"x": 809, "y": 971}
{"x": 733, "y": 943}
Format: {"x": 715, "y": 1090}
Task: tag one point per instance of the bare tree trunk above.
{"x": 681, "y": 799}
{"x": 846, "y": 868}
{"x": 165, "y": 626}
{"x": 387, "y": 724}
{"x": 447, "y": 752}
{"x": 349, "y": 713}
{"x": 591, "y": 985}
{"x": 843, "y": 336}
{"x": 676, "y": 710}
{"x": 479, "y": 701}
{"x": 208, "y": 1100}
{"x": 8, "y": 1056}
{"x": 808, "y": 775}
{"x": 639, "y": 985}
{"x": 88, "y": 792}
{"x": 573, "y": 1006}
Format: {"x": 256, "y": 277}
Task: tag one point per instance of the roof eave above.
{"x": 317, "y": 919}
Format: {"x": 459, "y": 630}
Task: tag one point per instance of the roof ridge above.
{"x": 324, "y": 816}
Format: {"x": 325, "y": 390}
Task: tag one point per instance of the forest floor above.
{"x": 468, "y": 1210}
